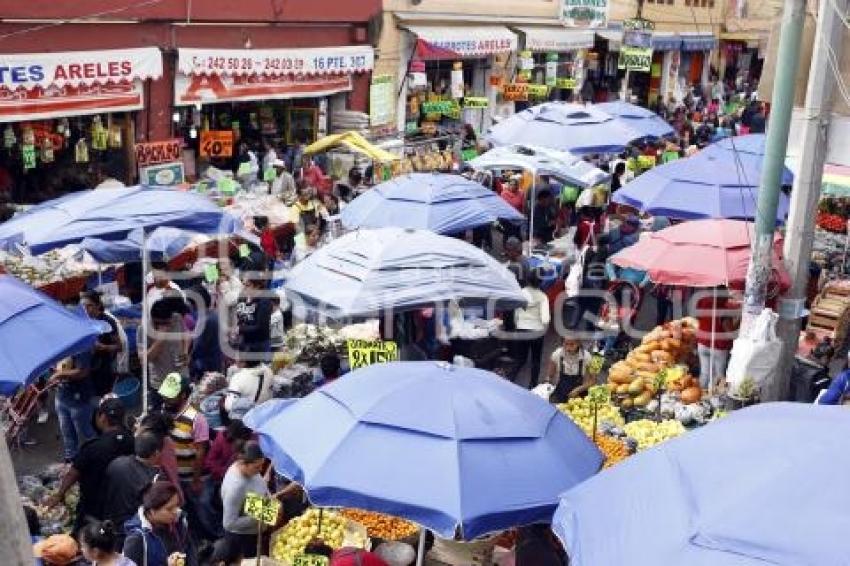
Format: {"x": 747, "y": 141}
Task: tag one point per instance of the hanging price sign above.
{"x": 515, "y": 92}
{"x": 362, "y": 353}
{"x": 263, "y": 509}
{"x": 438, "y": 107}
{"x": 310, "y": 560}
{"x": 566, "y": 83}
{"x": 476, "y": 102}
{"x": 538, "y": 91}
{"x": 217, "y": 143}
{"x": 28, "y": 155}
{"x": 635, "y": 58}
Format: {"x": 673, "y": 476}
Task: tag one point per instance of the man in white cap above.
{"x": 283, "y": 185}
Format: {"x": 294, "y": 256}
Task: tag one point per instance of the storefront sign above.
{"x": 194, "y": 89}
{"x": 276, "y": 62}
{"x": 448, "y": 42}
{"x": 381, "y": 100}
{"x": 515, "y": 92}
{"x": 538, "y": 91}
{"x": 566, "y": 83}
{"x": 476, "y": 102}
{"x": 154, "y": 153}
{"x": 216, "y": 143}
{"x": 162, "y": 175}
{"x": 635, "y": 58}
{"x": 263, "y": 509}
{"x": 362, "y": 353}
{"x": 584, "y": 13}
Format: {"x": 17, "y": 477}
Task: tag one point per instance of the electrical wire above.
{"x": 80, "y": 19}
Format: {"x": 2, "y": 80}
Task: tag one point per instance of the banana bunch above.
{"x": 649, "y": 433}
{"x": 581, "y": 413}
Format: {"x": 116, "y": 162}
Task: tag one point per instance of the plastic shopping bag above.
{"x": 755, "y": 356}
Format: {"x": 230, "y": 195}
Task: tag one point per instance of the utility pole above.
{"x": 800, "y": 231}
{"x": 776, "y": 145}
{"x": 15, "y": 547}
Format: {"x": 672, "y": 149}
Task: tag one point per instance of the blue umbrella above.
{"x": 572, "y": 127}
{"x": 717, "y": 182}
{"x": 458, "y": 450}
{"x": 36, "y": 332}
{"x": 441, "y": 203}
{"x": 642, "y": 119}
{"x": 765, "y": 485}
{"x": 367, "y": 272}
{"x": 163, "y": 244}
{"x": 112, "y": 215}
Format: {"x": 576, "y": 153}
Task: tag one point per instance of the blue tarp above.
{"x": 717, "y": 182}
{"x": 112, "y": 214}
{"x": 441, "y": 203}
{"x": 698, "y": 42}
{"x": 163, "y": 244}
{"x": 666, "y": 42}
{"x": 575, "y": 128}
{"x": 36, "y": 332}
{"x": 642, "y": 119}
{"x": 458, "y": 450}
{"x": 764, "y": 485}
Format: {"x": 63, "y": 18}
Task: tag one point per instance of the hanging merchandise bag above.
{"x": 81, "y": 151}
{"x": 755, "y": 356}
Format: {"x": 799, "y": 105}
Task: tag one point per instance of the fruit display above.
{"x": 335, "y": 530}
{"x": 832, "y": 222}
{"x": 614, "y": 449}
{"x": 648, "y": 433}
{"x": 308, "y": 343}
{"x": 382, "y": 526}
{"x": 581, "y": 412}
{"x": 36, "y": 489}
{"x": 38, "y": 271}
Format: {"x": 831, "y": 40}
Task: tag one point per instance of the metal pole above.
{"x": 420, "y": 553}
{"x": 807, "y": 186}
{"x": 15, "y": 545}
{"x": 782, "y": 105}
{"x": 143, "y": 354}
{"x": 532, "y": 202}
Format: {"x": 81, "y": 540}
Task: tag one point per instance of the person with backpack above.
{"x": 158, "y": 535}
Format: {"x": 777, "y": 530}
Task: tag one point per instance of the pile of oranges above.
{"x": 614, "y": 450}
{"x": 381, "y": 526}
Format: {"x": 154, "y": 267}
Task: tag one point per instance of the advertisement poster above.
{"x": 589, "y": 14}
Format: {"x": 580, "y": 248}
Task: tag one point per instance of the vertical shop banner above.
{"x": 552, "y": 69}
{"x": 381, "y": 100}
{"x": 635, "y": 59}
{"x": 457, "y": 86}
{"x": 590, "y": 14}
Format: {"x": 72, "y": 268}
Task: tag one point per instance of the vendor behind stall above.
{"x": 568, "y": 370}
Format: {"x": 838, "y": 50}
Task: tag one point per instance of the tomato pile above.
{"x": 832, "y": 222}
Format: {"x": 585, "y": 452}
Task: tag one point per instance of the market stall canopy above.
{"x": 700, "y": 253}
{"x": 555, "y": 38}
{"x": 217, "y": 75}
{"x": 439, "y": 202}
{"x": 110, "y": 215}
{"x": 447, "y": 42}
{"x": 462, "y": 450}
{"x": 353, "y": 141}
{"x": 571, "y": 127}
{"x": 757, "y": 487}
{"x": 367, "y": 272}
{"x": 36, "y": 332}
{"x": 642, "y": 119}
{"x": 542, "y": 161}
{"x": 835, "y": 181}
{"x": 39, "y": 86}
{"x": 163, "y": 244}
{"x": 721, "y": 181}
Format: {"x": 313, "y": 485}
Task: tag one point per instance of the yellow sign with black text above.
{"x": 263, "y": 509}
{"x": 362, "y": 353}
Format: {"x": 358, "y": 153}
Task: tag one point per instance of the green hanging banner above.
{"x": 28, "y": 154}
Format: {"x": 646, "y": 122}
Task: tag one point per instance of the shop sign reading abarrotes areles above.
{"x": 635, "y": 58}
{"x": 591, "y": 14}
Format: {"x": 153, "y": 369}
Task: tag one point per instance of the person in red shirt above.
{"x": 514, "y": 197}
{"x": 224, "y": 449}
{"x": 315, "y": 177}
{"x": 718, "y": 318}
{"x": 267, "y": 238}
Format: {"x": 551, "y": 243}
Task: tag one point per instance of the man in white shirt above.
{"x": 531, "y": 323}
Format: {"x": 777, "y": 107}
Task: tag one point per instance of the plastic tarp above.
{"x": 366, "y": 272}
{"x": 112, "y": 215}
{"x": 458, "y": 450}
{"x": 764, "y": 485}
{"x": 353, "y": 141}
{"x": 441, "y": 203}
{"x": 36, "y": 332}
{"x": 163, "y": 244}
{"x": 721, "y": 181}
{"x": 542, "y": 161}
{"x": 570, "y": 127}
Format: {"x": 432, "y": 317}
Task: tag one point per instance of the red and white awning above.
{"x": 37, "y": 86}
{"x": 342, "y": 60}
{"x": 466, "y": 41}
{"x": 79, "y": 68}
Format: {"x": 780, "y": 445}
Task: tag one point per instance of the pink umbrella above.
{"x": 699, "y": 253}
